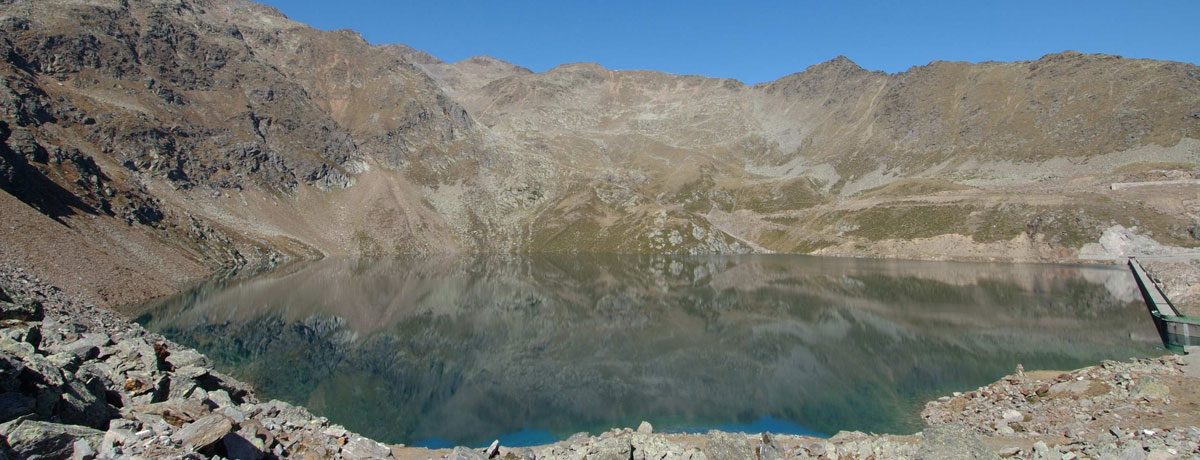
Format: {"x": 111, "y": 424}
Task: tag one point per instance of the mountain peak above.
{"x": 840, "y": 64}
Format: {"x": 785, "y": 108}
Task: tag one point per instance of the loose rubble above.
{"x": 77, "y": 381}
{"x": 1112, "y": 410}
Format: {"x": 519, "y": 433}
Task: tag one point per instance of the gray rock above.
{"x": 30, "y": 439}
{"x": 463, "y": 453}
{"x": 82, "y": 450}
{"x": 648, "y": 446}
{"x": 176, "y": 412}
{"x": 952, "y": 442}
{"x": 363, "y": 448}
{"x": 219, "y": 399}
{"x": 815, "y": 449}
{"x": 203, "y": 432}
{"x": 87, "y": 347}
{"x": 614, "y": 448}
{"x": 519, "y": 453}
{"x": 234, "y": 414}
{"x": 492, "y": 450}
{"x": 1041, "y": 450}
{"x": 146, "y": 387}
{"x": 186, "y": 358}
{"x": 115, "y": 437}
{"x": 134, "y": 354}
{"x": 727, "y": 446}
{"x": 180, "y": 387}
{"x": 65, "y": 361}
{"x": 24, "y": 332}
{"x": 645, "y": 427}
{"x": 21, "y": 310}
{"x": 189, "y": 372}
{"x": 1133, "y": 452}
{"x": 1010, "y": 416}
{"x": 85, "y": 404}
{"x": 18, "y": 349}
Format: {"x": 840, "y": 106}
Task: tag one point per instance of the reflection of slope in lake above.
{"x": 468, "y": 349}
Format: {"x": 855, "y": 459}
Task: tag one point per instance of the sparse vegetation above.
{"x": 910, "y": 187}
{"x": 907, "y": 222}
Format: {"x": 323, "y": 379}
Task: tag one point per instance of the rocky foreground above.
{"x": 78, "y": 381}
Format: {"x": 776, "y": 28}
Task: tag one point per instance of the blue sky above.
{"x": 757, "y": 41}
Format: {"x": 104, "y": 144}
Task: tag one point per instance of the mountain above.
{"x": 146, "y": 143}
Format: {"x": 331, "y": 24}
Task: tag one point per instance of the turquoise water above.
{"x": 529, "y": 349}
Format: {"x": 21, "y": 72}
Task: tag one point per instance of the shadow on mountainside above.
{"x": 28, "y": 184}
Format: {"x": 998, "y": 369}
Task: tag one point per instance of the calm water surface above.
{"x": 528, "y": 349}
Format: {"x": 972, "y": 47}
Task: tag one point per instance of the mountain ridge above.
{"x": 219, "y": 133}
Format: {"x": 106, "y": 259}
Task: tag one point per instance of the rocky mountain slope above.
{"x": 163, "y": 139}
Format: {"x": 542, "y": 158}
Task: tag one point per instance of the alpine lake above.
{"x": 438, "y": 351}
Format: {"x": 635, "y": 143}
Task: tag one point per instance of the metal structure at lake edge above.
{"x": 1177, "y": 331}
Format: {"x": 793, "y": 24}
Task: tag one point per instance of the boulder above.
{"x": 204, "y": 432}
{"x": 727, "y": 446}
{"x": 30, "y": 439}
{"x": 217, "y": 399}
{"x": 363, "y": 448}
{"x": 23, "y": 332}
{"x": 645, "y": 427}
{"x": 145, "y": 387}
{"x": 648, "y": 446}
{"x": 1070, "y": 388}
{"x": 85, "y": 404}
{"x": 21, "y": 310}
{"x": 177, "y": 412}
{"x": 65, "y": 361}
{"x": 134, "y": 354}
{"x": 82, "y": 450}
{"x": 178, "y": 359}
{"x": 86, "y": 348}
{"x": 952, "y": 442}
{"x": 614, "y": 448}
{"x": 1010, "y": 416}
{"x": 463, "y": 453}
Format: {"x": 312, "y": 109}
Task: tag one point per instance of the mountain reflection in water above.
{"x": 464, "y": 350}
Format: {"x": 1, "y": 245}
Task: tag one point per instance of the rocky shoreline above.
{"x": 79, "y": 381}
